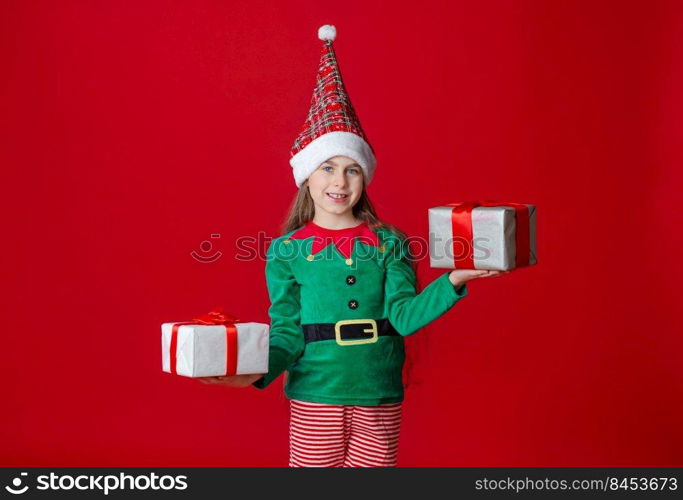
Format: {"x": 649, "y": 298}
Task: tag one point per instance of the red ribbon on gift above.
{"x": 461, "y": 220}
{"x": 215, "y": 317}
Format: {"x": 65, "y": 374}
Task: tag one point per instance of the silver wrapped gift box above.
{"x": 202, "y": 350}
{"x": 494, "y": 238}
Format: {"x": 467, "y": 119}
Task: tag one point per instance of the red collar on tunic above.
{"x": 343, "y": 239}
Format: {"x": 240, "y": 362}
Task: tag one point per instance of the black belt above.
{"x": 349, "y": 331}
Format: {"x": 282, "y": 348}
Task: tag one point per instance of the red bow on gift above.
{"x": 214, "y": 317}
{"x": 461, "y": 220}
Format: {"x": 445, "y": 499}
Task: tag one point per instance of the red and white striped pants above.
{"x": 322, "y": 435}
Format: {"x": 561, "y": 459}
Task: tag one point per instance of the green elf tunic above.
{"x": 317, "y": 275}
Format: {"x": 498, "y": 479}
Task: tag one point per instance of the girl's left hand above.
{"x": 459, "y": 277}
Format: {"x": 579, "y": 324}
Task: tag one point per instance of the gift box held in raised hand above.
{"x": 492, "y": 235}
{"x": 215, "y": 344}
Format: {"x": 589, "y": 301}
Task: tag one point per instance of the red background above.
{"x": 133, "y": 131}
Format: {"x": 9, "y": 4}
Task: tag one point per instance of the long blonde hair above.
{"x": 302, "y": 211}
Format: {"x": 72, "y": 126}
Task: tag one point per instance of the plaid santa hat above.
{"x": 332, "y": 127}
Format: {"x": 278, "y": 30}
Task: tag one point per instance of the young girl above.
{"x": 343, "y": 295}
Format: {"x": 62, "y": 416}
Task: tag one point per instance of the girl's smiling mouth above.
{"x": 337, "y": 197}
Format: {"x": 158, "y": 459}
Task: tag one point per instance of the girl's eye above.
{"x": 326, "y": 167}
{"x": 353, "y": 170}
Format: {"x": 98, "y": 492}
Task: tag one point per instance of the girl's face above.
{"x": 336, "y": 186}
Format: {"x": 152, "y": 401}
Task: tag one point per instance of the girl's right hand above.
{"x": 232, "y": 380}
{"x": 461, "y": 276}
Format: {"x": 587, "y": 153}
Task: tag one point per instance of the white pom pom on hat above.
{"x": 332, "y": 127}
{"x": 327, "y": 32}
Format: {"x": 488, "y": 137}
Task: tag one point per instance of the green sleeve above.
{"x": 286, "y": 336}
{"x": 407, "y": 310}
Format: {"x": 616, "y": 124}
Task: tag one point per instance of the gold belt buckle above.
{"x": 372, "y": 329}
